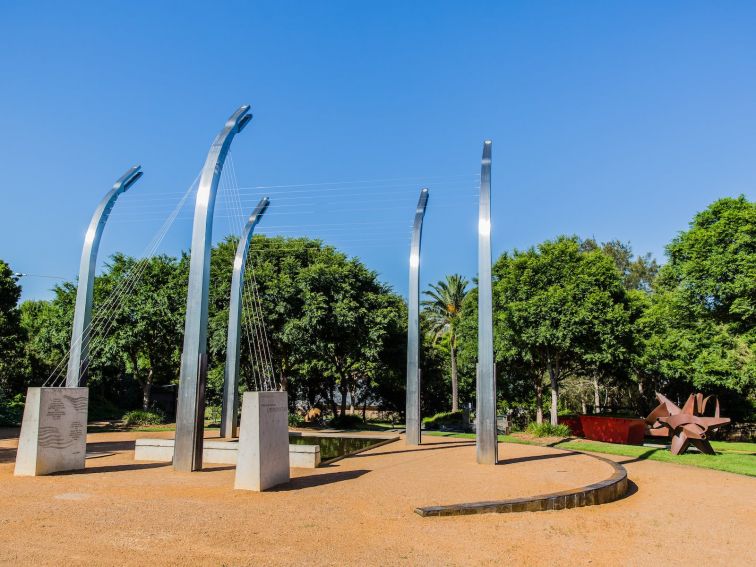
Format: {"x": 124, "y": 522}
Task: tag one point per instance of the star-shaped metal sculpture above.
{"x": 687, "y": 426}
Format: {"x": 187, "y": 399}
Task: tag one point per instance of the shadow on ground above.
{"x": 536, "y": 458}
{"x": 642, "y": 457}
{"x": 632, "y": 489}
{"x": 114, "y": 468}
{"x": 313, "y": 480}
{"x": 7, "y": 455}
{"x": 424, "y": 447}
{"x": 9, "y": 432}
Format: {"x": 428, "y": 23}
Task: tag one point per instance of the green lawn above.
{"x": 166, "y": 427}
{"x": 737, "y": 458}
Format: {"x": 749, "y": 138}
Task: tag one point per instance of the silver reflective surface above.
{"x": 485, "y": 414}
{"x": 191, "y": 399}
{"x": 412, "y": 410}
{"x": 81, "y": 332}
{"x": 230, "y": 412}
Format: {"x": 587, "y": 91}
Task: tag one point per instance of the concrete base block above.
{"x": 221, "y": 452}
{"x": 54, "y": 431}
{"x": 304, "y": 456}
{"x": 263, "y": 458}
{"x": 161, "y": 450}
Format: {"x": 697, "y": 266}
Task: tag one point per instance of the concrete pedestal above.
{"x": 53, "y": 432}
{"x": 263, "y": 457}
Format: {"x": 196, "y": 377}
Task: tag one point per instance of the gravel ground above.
{"x": 359, "y": 511}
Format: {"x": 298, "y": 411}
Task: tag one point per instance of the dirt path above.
{"x": 360, "y": 511}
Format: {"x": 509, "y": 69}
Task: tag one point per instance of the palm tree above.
{"x": 443, "y": 309}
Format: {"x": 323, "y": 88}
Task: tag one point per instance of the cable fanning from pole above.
{"x": 106, "y": 310}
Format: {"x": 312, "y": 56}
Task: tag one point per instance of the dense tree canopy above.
{"x": 699, "y": 328}
{"x": 148, "y": 324}
{"x": 334, "y": 329}
{"x": 336, "y": 333}
{"x": 562, "y": 311}
{"x": 589, "y": 321}
{"x": 637, "y": 273}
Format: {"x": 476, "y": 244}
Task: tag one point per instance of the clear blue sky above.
{"x": 609, "y": 119}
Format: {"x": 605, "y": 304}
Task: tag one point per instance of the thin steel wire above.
{"x": 256, "y": 297}
{"x": 248, "y": 305}
{"x": 251, "y": 341}
{"x": 106, "y": 310}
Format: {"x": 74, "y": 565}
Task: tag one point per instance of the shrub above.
{"x": 11, "y": 410}
{"x": 213, "y": 414}
{"x": 446, "y": 420}
{"x": 347, "y": 422}
{"x": 296, "y": 420}
{"x": 547, "y": 430}
{"x": 142, "y": 417}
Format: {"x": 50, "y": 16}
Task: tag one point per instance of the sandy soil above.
{"x": 360, "y": 511}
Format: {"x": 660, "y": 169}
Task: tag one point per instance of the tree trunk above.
{"x": 146, "y": 391}
{"x": 554, "y": 394}
{"x": 343, "y": 392}
{"x": 539, "y": 400}
{"x": 332, "y": 401}
{"x": 454, "y": 380}
{"x": 351, "y": 400}
{"x": 596, "y": 397}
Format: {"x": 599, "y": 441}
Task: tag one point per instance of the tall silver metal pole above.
{"x": 190, "y": 411}
{"x": 230, "y": 413}
{"x": 486, "y": 442}
{"x": 412, "y": 411}
{"x": 83, "y": 311}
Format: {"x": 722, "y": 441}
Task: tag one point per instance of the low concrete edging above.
{"x": 609, "y": 490}
{"x": 221, "y": 452}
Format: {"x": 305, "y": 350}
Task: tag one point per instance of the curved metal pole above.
{"x": 485, "y": 410}
{"x": 230, "y": 412}
{"x": 190, "y": 409}
{"x": 412, "y": 411}
{"x": 83, "y": 309}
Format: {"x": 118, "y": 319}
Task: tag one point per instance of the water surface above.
{"x": 332, "y": 447}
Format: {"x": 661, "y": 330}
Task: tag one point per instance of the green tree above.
{"x": 48, "y": 328}
{"x": 443, "y": 312}
{"x": 561, "y": 311}
{"x": 336, "y": 334}
{"x": 12, "y": 335}
{"x": 347, "y": 319}
{"x": 43, "y": 348}
{"x": 273, "y": 268}
{"x": 138, "y": 336}
{"x": 148, "y": 323}
{"x": 699, "y": 330}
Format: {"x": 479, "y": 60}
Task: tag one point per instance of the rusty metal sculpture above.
{"x": 687, "y": 426}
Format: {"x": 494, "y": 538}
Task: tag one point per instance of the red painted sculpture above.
{"x": 686, "y": 426}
